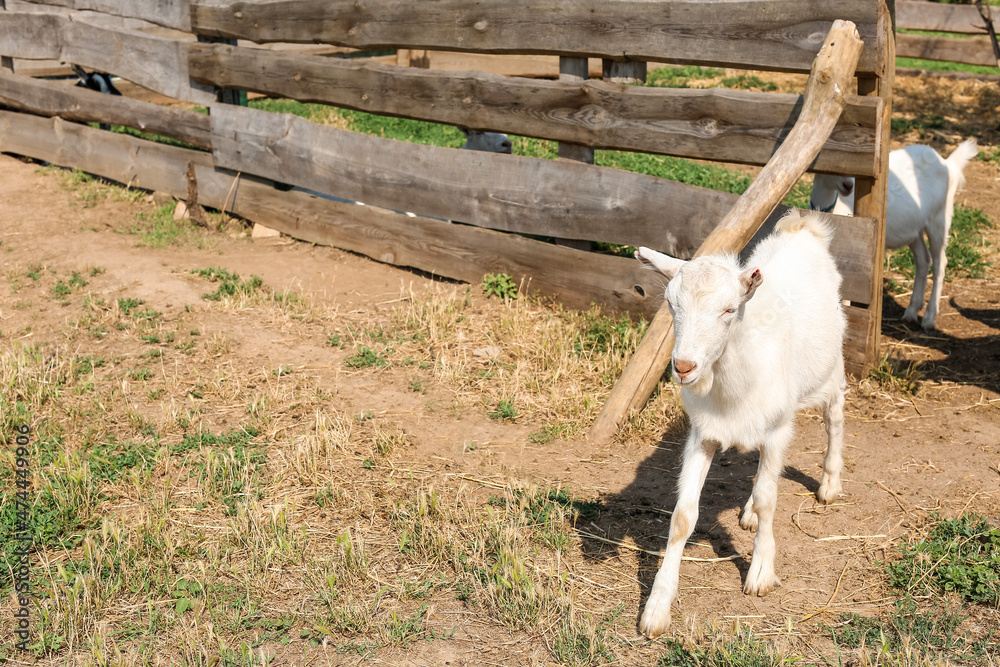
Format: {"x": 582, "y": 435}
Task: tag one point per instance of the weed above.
{"x": 500, "y": 285}
{"x": 365, "y": 358}
{"x": 505, "y": 411}
{"x": 35, "y": 271}
{"x": 281, "y": 371}
{"x": 551, "y": 432}
{"x": 230, "y": 284}
{"x": 334, "y": 340}
{"x": 897, "y": 375}
{"x": 960, "y": 555}
{"x": 140, "y": 374}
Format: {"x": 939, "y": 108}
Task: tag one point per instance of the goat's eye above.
{"x": 729, "y": 311}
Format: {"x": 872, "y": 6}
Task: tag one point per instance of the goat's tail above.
{"x": 957, "y": 160}
{"x": 794, "y": 222}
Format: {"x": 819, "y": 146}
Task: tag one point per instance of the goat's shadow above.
{"x": 641, "y": 510}
{"x": 971, "y": 360}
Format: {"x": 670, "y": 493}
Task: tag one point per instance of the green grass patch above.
{"x": 602, "y": 334}
{"x": 960, "y": 556}
{"x": 367, "y": 357}
{"x": 680, "y": 77}
{"x": 942, "y": 66}
{"x": 230, "y": 284}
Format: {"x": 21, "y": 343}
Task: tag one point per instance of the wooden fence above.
{"x": 961, "y": 20}
{"x": 238, "y": 153}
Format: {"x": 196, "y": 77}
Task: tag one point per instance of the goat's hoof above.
{"x": 828, "y": 492}
{"x": 748, "y": 520}
{"x": 655, "y": 620}
{"x": 928, "y": 325}
{"x": 910, "y": 316}
{"x": 759, "y": 583}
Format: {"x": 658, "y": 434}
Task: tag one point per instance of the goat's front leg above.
{"x": 830, "y": 485}
{"x": 697, "y": 459}
{"x": 921, "y": 264}
{"x": 761, "y": 579}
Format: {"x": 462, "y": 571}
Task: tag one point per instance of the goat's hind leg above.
{"x": 697, "y": 459}
{"x": 921, "y": 263}
{"x": 833, "y": 418}
{"x": 939, "y": 245}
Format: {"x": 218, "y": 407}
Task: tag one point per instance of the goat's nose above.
{"x": 684, "y": 367}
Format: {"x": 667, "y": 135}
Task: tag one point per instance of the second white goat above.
{"x": 920, "y": 200}
{"x": 753, "y": 345}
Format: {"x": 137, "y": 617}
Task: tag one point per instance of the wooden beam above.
{"x": 54, "y": 98}
{"x": 528, "y": 66}
{"x": 760, "y": 34}
{"x": 824, "y": 101}
{"x": 714, "y": 124}
{"x": 968, "y": 50}
{"x": 153, "y": 62}
{"x": 168, "y": 13}
{"x": 912, "y": 15}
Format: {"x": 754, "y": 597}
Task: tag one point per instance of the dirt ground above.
{"x": 937, "y": 451}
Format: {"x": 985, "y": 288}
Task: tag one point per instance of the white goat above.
{"x": 920, "y": 200}
{"x": 752, "y": 346}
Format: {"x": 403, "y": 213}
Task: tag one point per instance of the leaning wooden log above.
{"x": 824, "y": 101}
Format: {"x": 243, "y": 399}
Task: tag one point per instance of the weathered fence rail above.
{"x": 958, "y": 19}
{"x": 238, "y": 153}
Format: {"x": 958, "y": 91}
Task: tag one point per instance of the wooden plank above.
{"x": 780, "y": 35}
{"x": 911, "y": 15}
{"x": 506, "y": 192}
{"x": 968, "y": 50}
{"x": 435, "y": 246}
{"x": 169, "y": 13}
{"x": 825, "y": 100}
{"x": 528, "y": 66}
{"x": 53, "y": 98}
{"x": 714, "y": 124}
{"x": 856, "y": 360}
{"x": 150, "y": 61}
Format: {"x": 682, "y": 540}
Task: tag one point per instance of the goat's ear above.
{"x": 750, "y": 280}
{"x": 663, "y": 264}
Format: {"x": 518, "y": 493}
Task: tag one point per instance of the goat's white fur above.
{"x": 920, "y": 200}
{"x": 758, "y": 343}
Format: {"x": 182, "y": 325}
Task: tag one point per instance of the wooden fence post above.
{"x": 870, "y": 193}
{"x": 574, "y": 69}
{"x": 225, "y": 95}
{"x": 6, "y": 62}
{"x": 823, "y": 102}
